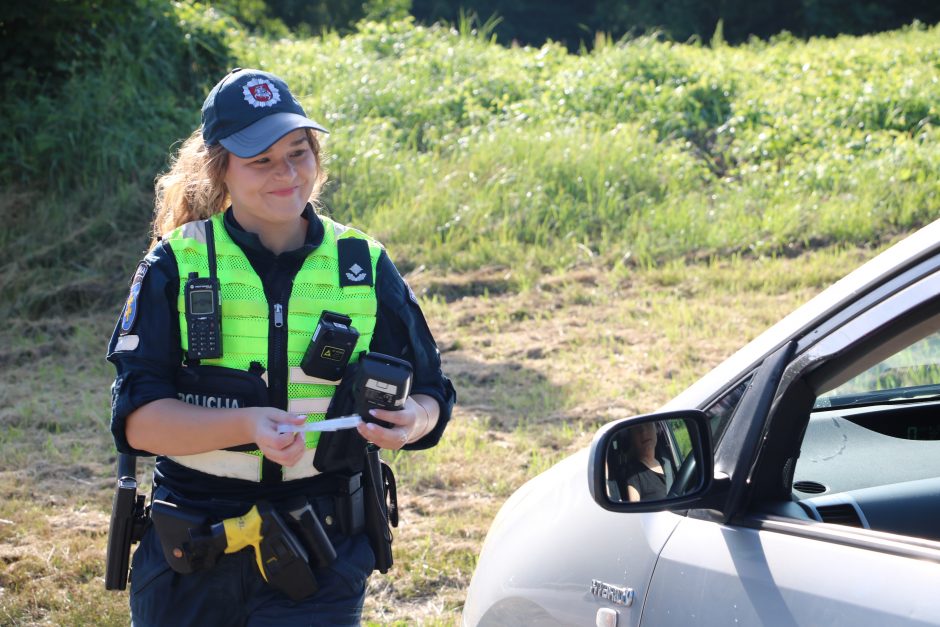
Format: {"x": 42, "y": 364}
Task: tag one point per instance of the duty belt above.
{"x": 291, "y": 539}
{"x": 337, "y": 501}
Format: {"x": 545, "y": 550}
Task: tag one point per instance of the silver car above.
{"x": 798, "y": 483}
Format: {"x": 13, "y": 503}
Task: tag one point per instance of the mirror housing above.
{"x": 694, "y": 468}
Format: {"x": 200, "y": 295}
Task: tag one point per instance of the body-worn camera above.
{"x": 382, "y": 382}
{"x": 330, "y": 347}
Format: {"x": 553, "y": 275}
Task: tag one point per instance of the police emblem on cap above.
{"x": 260, "y": 92}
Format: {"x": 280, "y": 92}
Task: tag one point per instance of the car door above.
{"x": 574, "y": 559}
{"x": 765, "y": 556}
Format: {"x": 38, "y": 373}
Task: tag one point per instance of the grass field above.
{"x": 589, "y": 233}
{"x": 536, "y": 373}
{"x": 460, "y": 154}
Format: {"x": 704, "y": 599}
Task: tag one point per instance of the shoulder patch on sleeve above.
{"x": 126, "y": 343}
{"x": 129, "y": 315}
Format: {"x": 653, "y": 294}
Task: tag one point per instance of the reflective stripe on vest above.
{"x": 245, "y": 308}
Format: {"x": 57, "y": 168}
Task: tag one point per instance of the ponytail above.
{"x": 192, "y": 189}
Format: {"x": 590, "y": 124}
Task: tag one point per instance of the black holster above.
{"x": 381, "y": 507}
{"x": 346, "y": 453}
{"x": 303, "y": 520}
{"x": 130, "y": 518}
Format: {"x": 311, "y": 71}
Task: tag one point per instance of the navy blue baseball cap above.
{"x": 249, "y": 110}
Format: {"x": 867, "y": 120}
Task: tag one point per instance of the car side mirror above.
{"x": 655, "y": 462}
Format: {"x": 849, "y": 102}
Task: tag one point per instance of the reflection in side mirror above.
{"x": 643, "y": 461}
{"x": 658, "y": 461}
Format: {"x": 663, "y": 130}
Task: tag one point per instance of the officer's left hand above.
{"x": 408, "y": 426}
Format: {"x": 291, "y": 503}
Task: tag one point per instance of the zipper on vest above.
{"x": 277, "y": 379}
{"x": 277, "y": 361}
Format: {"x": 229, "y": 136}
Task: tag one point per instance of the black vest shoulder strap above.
{"x": 210, "y": 249}
{"x": 355, "y": 264}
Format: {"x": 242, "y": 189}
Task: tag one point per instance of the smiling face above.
{"x": 269, "y": 191}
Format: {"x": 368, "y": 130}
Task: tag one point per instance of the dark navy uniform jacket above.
{"x": 147, "y": 372}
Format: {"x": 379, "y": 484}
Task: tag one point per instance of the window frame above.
{"x": 844, "y": 349}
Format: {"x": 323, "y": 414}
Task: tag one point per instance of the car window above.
{"x": 679, "y": 440}
{"x": 870, "y": 456}
{"x": 720, "y": 412}
{"x": 911, "y": 372}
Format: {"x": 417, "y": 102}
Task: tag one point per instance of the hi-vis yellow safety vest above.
{"x": 245, "y": 321}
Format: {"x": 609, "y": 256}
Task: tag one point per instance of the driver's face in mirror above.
{"x": 643, "y": 440}
{"x": 641, "y": 463}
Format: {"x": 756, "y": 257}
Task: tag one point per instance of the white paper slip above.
{"x": 333, "y": 424}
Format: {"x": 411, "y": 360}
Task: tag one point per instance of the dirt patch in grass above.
{"x": 536, "y": 373}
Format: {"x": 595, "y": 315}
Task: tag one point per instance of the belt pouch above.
{"x": 376, "y": 515}
{"x": 174, "y": 526}
{"x": 286, "y": 565}
{"x": 308, "y": 529}
{"x": 349, "y": 506}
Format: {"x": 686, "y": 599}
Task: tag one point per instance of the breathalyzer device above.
{"x": 382, "y": 382}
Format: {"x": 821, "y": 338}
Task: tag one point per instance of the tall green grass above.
{"x": 461, "y": 154}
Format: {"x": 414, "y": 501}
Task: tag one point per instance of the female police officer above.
{"x": 208, "y": 352}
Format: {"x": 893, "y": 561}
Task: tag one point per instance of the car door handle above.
{"x": 606, "y": 617}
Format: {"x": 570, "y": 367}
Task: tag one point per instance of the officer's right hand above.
{"x": 282, "y": 448}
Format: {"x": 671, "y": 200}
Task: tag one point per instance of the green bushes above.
{"x": 85, "y": 133}
{"x": 459, "y": 153}
{"x": 44, "y": 40}
{"x": 111, "y": 97}
{"x": 574, "y": 21}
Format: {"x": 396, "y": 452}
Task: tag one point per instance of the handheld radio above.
{"x": 204, "y": 308}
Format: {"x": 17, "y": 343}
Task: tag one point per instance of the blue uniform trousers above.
{"x": 233, "y": 592}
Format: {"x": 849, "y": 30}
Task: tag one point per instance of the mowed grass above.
{"x": 536, "y": 372}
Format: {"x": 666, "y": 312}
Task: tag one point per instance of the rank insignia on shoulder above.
{"x": 129, "y": 315}
{"x": 355, "y": 266}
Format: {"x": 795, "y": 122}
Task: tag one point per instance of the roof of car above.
{"x": 902, "y": 255}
